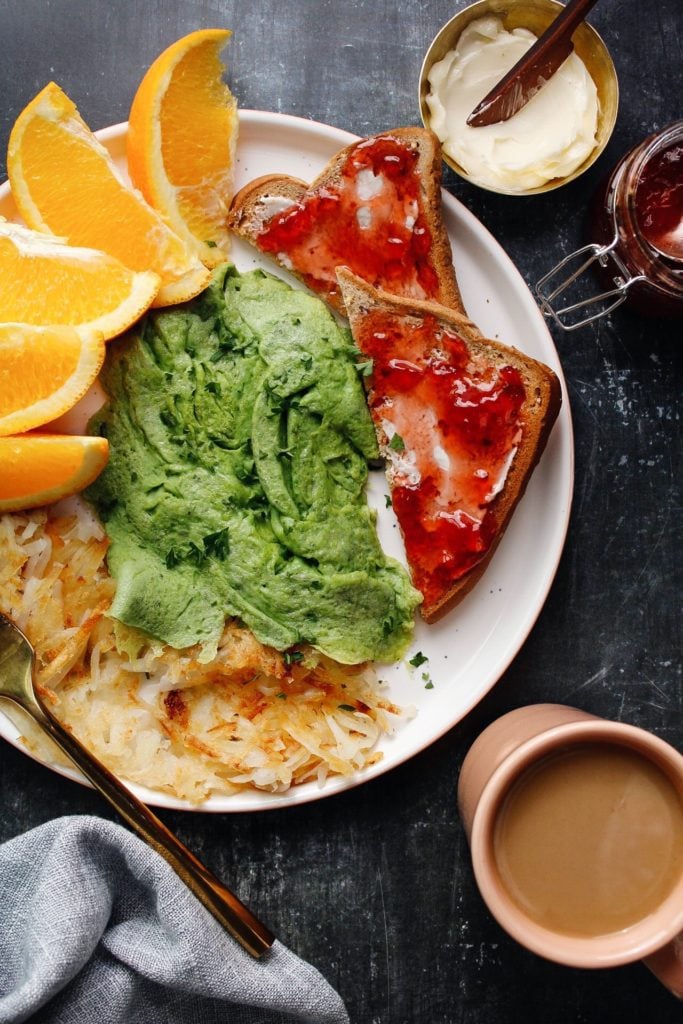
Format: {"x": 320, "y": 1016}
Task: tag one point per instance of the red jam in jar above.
{"x": 641, "y": 209}
{"x": 369, "y": 218}
{"x": 659, "y": 201}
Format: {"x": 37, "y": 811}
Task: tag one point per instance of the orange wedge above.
{"x": 44, "y": 371}
{"x": 37, "y": 469}
{"x": 181, "y": 141}
{"x": 45, "y": 281}
{"x": 64, "y": 182}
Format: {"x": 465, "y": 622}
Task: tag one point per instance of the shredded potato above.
{"x": 159, "y": 717}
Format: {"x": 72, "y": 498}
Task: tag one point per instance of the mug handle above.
{"x": 667, "y": 965}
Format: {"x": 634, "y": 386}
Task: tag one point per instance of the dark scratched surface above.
{"x": 375, "y": 886}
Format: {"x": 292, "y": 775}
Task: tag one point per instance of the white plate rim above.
{"x": 112, "y": 137}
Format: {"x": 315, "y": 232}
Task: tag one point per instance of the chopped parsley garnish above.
{"x": 387, "y": 500}
{"x": 418, "y": 659}
{"x": 291, "y": 657}
{"x": 346, "y": 707}
{"x": 173, "y": 557}
{"x": 217, "y": 544}
{"x": 397, "y": 443}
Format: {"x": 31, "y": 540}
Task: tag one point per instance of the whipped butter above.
{"x": 548, "y": 138}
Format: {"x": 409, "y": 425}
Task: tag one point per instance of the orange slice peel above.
{"x": 65, "y": 182}
{"x": 181, "y": 141}
{"x": 44, "y": 281}
{"x": 38, "y": 469}
{"x": 44, "y": 371}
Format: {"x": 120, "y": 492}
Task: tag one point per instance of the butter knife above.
{"x": 533, "y": 70}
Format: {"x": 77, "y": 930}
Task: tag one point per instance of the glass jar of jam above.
{"x": 637, "y": 226}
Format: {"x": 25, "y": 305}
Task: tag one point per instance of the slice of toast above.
{"x": 462, "y": 422}
{"x": 376, "y": 208}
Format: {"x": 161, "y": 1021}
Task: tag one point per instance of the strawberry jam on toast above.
{"x": 461, "y": 421}
{"x": 375, "y": 208}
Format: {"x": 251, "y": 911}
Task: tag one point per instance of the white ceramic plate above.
{"x": 470, "y": 648}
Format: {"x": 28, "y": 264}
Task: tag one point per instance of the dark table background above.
{"x": 375, "y": 886}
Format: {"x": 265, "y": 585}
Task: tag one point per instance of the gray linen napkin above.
{"x": 96, "y": 928}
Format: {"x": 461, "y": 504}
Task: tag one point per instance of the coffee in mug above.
{"x": 590, "y": 840}
{"x": 575, "y": 826}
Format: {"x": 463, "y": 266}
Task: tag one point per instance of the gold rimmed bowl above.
{"x": 534, "y": 15}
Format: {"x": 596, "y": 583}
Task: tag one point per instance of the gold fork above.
{"x": 16, "y": 684}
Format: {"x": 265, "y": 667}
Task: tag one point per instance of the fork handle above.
{"x": 223, "y": 904}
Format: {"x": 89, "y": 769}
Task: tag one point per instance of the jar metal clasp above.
{"x": 548, "y": 292}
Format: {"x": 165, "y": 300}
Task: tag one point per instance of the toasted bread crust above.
{"x": 538, "y": 413}
{"x": 246, "y": 216}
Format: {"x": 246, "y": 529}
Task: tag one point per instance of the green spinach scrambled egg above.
{"x": 239, "y": 439}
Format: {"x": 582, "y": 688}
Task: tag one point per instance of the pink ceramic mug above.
{"x": 501, "y": 753}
